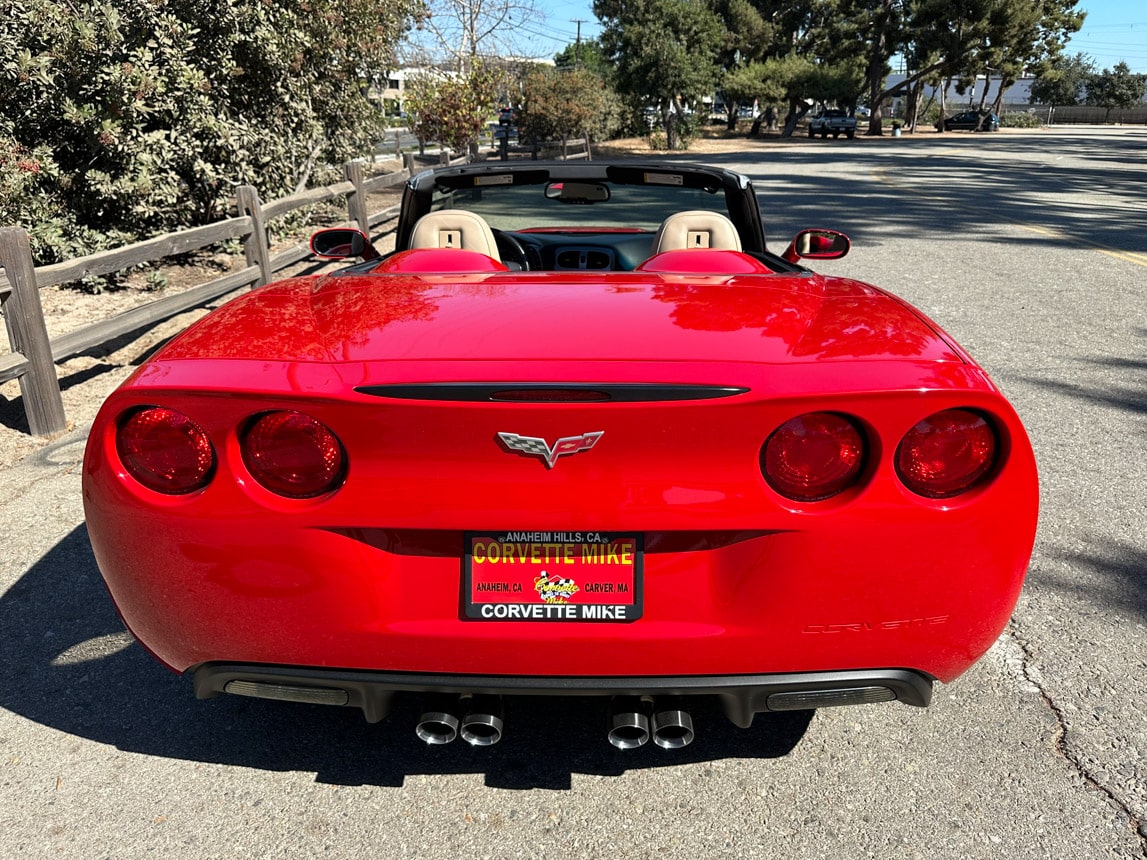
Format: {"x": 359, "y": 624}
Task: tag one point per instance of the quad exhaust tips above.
{"x": 633, "y": 721}
{"x": 630, "y": 724}
{"x": 439, "y": 723}
{"x": 672, "y": 725}
{"x": 480, "y": 724}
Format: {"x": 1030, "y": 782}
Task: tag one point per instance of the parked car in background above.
{"x": 972, "y": 120}
{"x": 834, "y": 121}
{"x": 506, "y": 116}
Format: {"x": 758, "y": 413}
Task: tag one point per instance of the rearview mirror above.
{"x": 577, "y": 192}
{"x": 339, "y": 243}
{"x": 817, "y": 245}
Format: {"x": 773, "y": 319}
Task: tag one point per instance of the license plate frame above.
{"x": 560, "y": 577}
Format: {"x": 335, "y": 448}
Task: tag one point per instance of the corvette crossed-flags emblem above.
{"x": 534, "y": 447}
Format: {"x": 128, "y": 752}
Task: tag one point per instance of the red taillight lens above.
{"x": 293, "y": 455}
{"x": 813, "y": 456}
{"x": 165, "y": 451}
{"x": 946, "y": 454}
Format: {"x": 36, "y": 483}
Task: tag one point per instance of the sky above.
{"x": 1114, "y": 30}
{"x": 559, "y": 27}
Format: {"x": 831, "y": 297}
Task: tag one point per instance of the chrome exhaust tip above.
{"x": 672, "y": 725}
{"x": 628, "y": 724}
{"x": 482, "y": 724}
{"x": 438, "y": 723}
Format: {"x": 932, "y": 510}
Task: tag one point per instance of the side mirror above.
{"x": 339, "y": 243}
{"x": 817, "y": 245}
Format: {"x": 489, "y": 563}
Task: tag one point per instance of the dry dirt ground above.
{"x": 86, "y": 380}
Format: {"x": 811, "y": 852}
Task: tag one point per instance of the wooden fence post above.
{"x": 356, "y": 200}
{"x": 24, "y": 318}
{"x": 408, "y": 163}
{"x": 256, "y": 248}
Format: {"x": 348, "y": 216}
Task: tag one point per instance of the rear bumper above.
{"x": 741, "y": 696}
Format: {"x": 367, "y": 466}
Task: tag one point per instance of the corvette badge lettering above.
{"x": 535, "y": 447}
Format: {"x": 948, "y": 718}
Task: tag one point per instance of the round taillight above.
{"x": 814, "y": 456}
{"x": 165, "y": 451}
{"x": 946, "y": 454}
{"x": 293, "y": 455}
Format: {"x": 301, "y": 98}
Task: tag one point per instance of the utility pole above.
{"x": 577, "y": 44}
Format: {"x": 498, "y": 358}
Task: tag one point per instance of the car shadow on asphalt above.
{"x": 69, "y": 665}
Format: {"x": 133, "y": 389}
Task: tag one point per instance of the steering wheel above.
{"x": 511, "y": 250}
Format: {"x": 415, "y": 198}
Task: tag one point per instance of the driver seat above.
{"x": 696, "y": 228}
{"x": 454, "y": 228}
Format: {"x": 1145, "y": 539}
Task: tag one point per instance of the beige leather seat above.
{"x": 454, "y": 228}
{"x": 697, "y": 228}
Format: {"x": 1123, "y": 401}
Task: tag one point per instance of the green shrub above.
{"x": 1020, "y": 119}
{"x": 144, "y": 116}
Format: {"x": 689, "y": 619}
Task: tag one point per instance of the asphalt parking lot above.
{"x": 1029, "y": 248}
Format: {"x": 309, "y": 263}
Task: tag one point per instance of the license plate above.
{"x": 552, "y": 576}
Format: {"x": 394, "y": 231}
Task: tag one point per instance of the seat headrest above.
{"x": 454, "y": 228}
{"x": 697, "y": 228}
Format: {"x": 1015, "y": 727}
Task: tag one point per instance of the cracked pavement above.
{"x": 1031, "y": 250}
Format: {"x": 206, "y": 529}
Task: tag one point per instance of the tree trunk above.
{"x": 912, "y": 106}
{"x": 998, "y": 104}
{"x": 797, "y": 109}
{"x": 874, "y": 74}
{"x": 876, "y": 120}
{"x": 671, "y": 136}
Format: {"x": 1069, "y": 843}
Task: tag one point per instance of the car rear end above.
{"x": 781, "y": 535}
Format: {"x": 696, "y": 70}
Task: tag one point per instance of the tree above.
{"x": 1116, "y": 88}
{"x": 881, "y": 27}
{"x": 664, "y": 51}
{"x": 945, "y": 40}
{"x": 462, "y": 33}
{"x": 748, "y": 38}
{"x": 142, "y": 117}
{"x": 561, "y": 105}
{"x": 797, "y": 81}
{"x": 1061, "y": 81}
{"x": 1020, "y": 35}
{"x": 452, "y": 108}
{"x": 586, "y": 54}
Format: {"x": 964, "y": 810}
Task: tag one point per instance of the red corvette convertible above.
{"x": 580, "y": 434}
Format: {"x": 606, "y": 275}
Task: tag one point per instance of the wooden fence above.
{"x": 568, "y": 149}
{"x": 33, "y": 355}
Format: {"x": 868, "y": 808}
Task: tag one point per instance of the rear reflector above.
{"x": 165, "y": 451}
{"x": 946, "y": 454}
{"x": 811, "y": 699}
{"x": 288, "y": 693}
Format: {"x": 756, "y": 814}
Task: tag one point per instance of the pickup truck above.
{"x": 832, "y": 121}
